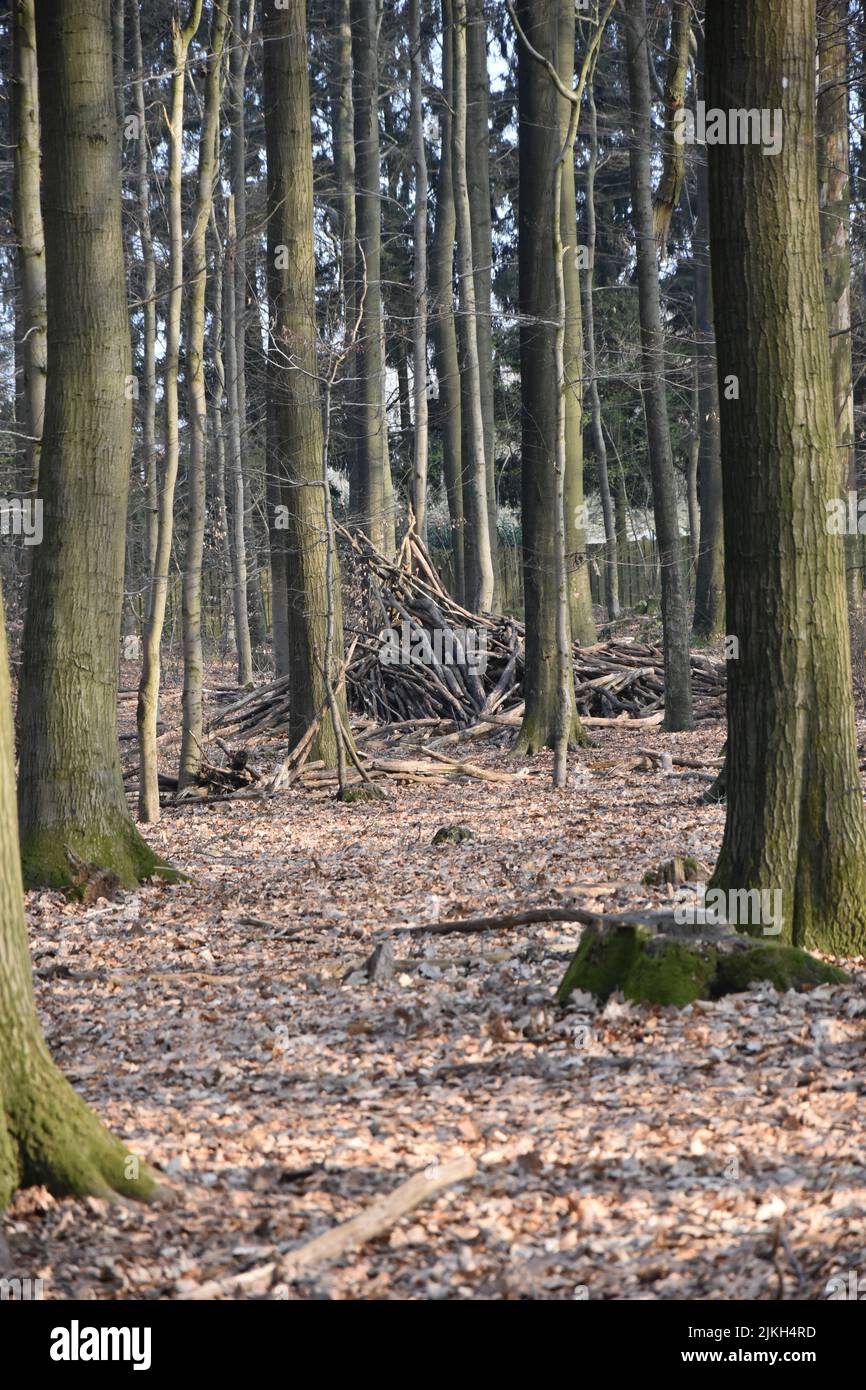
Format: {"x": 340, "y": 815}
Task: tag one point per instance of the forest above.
{"x": 433, "y": 657}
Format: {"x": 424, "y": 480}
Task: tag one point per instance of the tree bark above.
{"x": 478, "y": 178}
{"x": 47, "y": 1134}
{"x": 71, "y": 790}
{"x": 419, "y": 246}
{"x": 795, "y": 817}
{"x": 579, "y": 595}
{"x": 444, "y": 331}
{"x": 674, "y": 166}
{"x": 834, "y": 194}
{"x": 375, "y": 500}
{"x": 611, "y": 564}
{"x": 477, "y": 550}
{"x": 539, "y": 144}
{"x": 674, "y": 594}
{"x": 148, "y": 690}
{"x": 709, "y": 616}
{"x": 233, "y": 338}
{"x": 192, "y": 732}
{"x": 27, "y": 214}
{"x": 148, "y": 392}
{"x": 293, "y": 379}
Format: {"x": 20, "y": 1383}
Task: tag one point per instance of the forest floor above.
{"x": 623, "y": 1152}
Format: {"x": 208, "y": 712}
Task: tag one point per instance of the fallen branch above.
{"x": 378, "y": 1218}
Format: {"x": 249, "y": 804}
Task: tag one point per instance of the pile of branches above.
{"x": 436, "y": 679}
{"x": 611, "y": 679}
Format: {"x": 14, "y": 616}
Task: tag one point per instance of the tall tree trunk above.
{"x": 343, "y": 127}
{"x": 148, "y": 690}
{"x": 30, "y": 241}
{"x": 238, "y": 544}
{"x": 834, "y": 193}
{"x": 478, "y": 177}
{"x": 293, "y": 382}
{"x": 192, "y": 734}
{"x": 218, "y": 433}
{"x": 48, "y": 1136}
{"x": 148, "y": 392}
{"x": 539, "y": 136}
{"x": 611, "y": 565}
{"x": 445, "y": 355}
{"x": 419, "y": 248}
{"x": 478, "y": 557}
{"x": 579, "y": 595}
{"x": 71, "y": 789}
{"x": 795, "y": 817}
{"x": 674, "y": 591}
{"x": 235, "y": 306}
{"x": 375, "y": 502}
{"x": 709, "y": 617}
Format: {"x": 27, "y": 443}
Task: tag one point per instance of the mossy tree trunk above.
{"x": 71, "y": 789}
{"x": 293, "y": 378}
{"x": 442, "y": 325}
{"x": 47, "y": 1134}
{"x": 674, "y": 590}
{"x": 192, "y": 734}
{"x": 795, "y": 818}
{"x": 540, "y": 143}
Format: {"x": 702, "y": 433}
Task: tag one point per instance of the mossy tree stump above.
{"x": 655, "y": 960}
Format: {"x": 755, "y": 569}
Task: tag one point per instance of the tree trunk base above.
{"x": 45, "y": 862}
{"x": 658, "y": 961}
{"x": 49, "y": 1136}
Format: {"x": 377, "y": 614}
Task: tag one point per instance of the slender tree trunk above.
{"x": 795, "y": 817}
{"x": 148, "y": 690}
{"x": 148, "y": 391}
{"x": 834, "y": 193}
{"x": 293, "y": 380}
{"x": 579, "y": 596}
{"x": 343, "y": 126}
{"x": 674, "y": 591}
{"x": 478, "y": 557}
{"x": 242, "y": 534}
{"x": 238, "y": 545}
{"x": 71, "y": 789}
{"x": 218, "y": 434}
{"x": 709, "y": 618}
{"x": 478, "y": 177}
{"x": 539, "y": 145}
{"x": 30, "y": 240}
{"x": 611, "y": 568}
{"x": 192, "y": 734}
{"x": 375, "y": 492}
{"x": 419, "y": 247}
{"x": 445, "y": 358}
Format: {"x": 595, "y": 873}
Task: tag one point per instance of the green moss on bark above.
{"x": 45, "y": 864}
{"x": 678, "y": 966}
